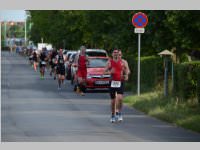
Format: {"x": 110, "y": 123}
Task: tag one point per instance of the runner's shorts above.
{"x": 82, "y": 73}
{"x": 119, "y": 90}
{"x": 42, "y": 65}
{"x": 53, "y": 65}
{"x": 61, "y": 70}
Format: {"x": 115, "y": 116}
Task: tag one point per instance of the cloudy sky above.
{"x": 12, "y": 15}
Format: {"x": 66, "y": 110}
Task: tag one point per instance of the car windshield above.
{"x": 97, "y": 63}
{"x": 68, "y": 55}
{"x": 65, "y": 52}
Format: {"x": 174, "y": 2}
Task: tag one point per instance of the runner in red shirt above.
{"x": 82, "y": 62}
{"x": 118, "y": 71}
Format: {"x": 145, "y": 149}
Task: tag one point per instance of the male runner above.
{"x": 60, "y": 68}
{"x": 43, "y": 59}
{"x": 53, "y": 63}
{"x": 81, "y": 62}
{"x": 118, "y": 71}
{"x": 126, "y": 73}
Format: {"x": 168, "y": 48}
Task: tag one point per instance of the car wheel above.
{"x": 72, "y": 80}
{"x": 75, "y": 87}
{"x": 68, "y": 75}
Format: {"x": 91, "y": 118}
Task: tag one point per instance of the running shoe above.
{"x": 78, "y": 90}
{"x": 120, "y": 118}
{"x": 117, "y": 116}
{"x": 112, "y": 119}
{"x": 82, "y": 94}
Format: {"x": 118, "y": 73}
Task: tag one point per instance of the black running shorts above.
{"x": 119, "y": 90}
{"x": 61, "y": 70}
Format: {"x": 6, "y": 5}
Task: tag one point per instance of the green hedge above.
{"x": 151, "y": 72}
{"x": 198, "y": 84}
{"x": 187, "y": 81}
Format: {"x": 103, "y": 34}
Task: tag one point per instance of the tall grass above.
{"x": 184, "y": 114}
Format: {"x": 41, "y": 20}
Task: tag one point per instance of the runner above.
{"x": 31, "y": 59}
{"x": 60, "y": 68}
{"x": 119, "y": 72}
{"x": 53, "y": 63}
{"x": 35, "y": 60}
{"x": 43, "y": 59}
{"x": 126, "y": 73}
{"x": 81, "y": 62}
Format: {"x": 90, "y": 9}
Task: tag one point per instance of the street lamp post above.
{"x": 25, "y": 32}
{"x": 27, "y": 14}
{"x": 5, "y": 32}
{"x": 166, "y": 54}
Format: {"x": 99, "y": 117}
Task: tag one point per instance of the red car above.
{"x": 95, "y": 77}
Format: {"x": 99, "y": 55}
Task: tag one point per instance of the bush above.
{"x": 187, "y": 81}
{"x": 198, "y": 85}
{"x": 151, "y": 72}
{"x": 184, "y": 58}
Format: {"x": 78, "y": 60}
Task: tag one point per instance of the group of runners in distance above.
{"x": 116, "y": 66}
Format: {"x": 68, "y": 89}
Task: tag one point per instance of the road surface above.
{"x": 34, "y": 110}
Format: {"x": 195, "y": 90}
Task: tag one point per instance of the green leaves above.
{"x": 187, "y": 83}
{"x": 111, "y": 29}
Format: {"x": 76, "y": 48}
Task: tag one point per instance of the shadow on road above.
{"x": 97, "y": 90}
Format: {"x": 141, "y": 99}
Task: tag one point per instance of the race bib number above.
{"x": 116, "y": 84}
{"x": 54, "y": 60}
{"x": 43, "y": 63}
{"x": 61, "y": 61}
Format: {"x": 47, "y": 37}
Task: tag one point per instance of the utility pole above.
{"x": 25, "y": 32}
{"x": 5, "y": 32}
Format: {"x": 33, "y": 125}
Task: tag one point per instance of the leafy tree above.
{"x": 113, "y": 29}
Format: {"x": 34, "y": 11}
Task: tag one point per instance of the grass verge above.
{"x": 154, "y": 104}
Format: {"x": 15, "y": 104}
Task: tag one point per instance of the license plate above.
{"x": 115, "y": 84}
{"x": 101, "y": 82}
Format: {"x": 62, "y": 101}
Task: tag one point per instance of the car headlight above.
{"x": 107, "y": 76}
{"x": 89, "y": 77}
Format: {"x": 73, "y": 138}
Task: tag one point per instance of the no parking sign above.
{"x": 139, "y": 20}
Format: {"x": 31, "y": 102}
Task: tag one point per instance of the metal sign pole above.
{"x": 139, "y": 41}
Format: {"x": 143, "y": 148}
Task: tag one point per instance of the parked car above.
{"x": 89, "y": 53}
{"x": 69, "y": 68}
{"x": 95, "y": 76}
{"x": 65, "y": 51}
{"x": 96, "y": 53}
{"x": 67, "y": 64}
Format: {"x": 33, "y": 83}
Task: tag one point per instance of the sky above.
{"x": 12, "y": 15}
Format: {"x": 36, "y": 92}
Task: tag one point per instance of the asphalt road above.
{"x": 34, "y": 110}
